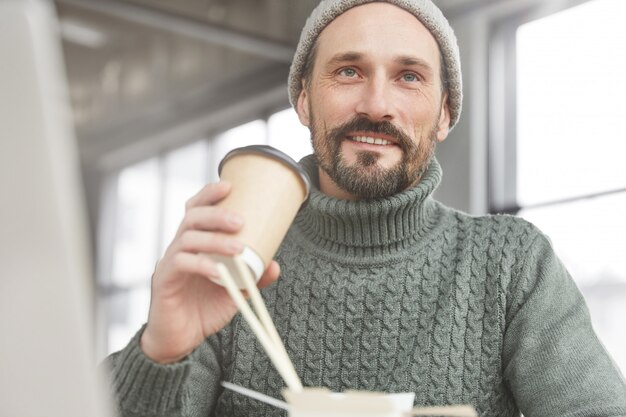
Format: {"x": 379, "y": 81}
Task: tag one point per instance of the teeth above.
{"x": 367, "y": 139}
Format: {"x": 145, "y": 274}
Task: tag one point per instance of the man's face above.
{"x": 375, "y": 79}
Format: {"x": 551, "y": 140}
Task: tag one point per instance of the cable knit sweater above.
{"x": 401, "y": 294}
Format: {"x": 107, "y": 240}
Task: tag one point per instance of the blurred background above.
{"x": 161, "y": 90}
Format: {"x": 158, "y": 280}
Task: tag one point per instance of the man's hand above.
{"x": 186, "y": 305}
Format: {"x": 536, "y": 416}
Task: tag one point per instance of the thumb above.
{"x": 271, "y": 274}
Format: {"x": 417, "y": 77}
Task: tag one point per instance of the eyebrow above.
{"x": 404, "y": 60}
{"x": 345, "y": 57}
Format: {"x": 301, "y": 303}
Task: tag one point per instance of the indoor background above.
{"x": 161, "y": 90}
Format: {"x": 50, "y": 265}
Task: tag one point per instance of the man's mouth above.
{"x": 371, "y": 140}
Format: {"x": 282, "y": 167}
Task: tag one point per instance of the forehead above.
{"x": 378, "y": 29}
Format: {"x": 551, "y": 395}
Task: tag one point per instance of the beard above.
{"x": 365, "y": 178}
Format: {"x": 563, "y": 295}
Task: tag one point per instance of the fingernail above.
{"x": 235, "y": 246}
{"x": 234, "y": 220}
{"x": 212, "y": 271}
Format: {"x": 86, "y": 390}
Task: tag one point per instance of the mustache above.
{"x": 362, "y": 124}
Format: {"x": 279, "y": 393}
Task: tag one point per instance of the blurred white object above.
{"x": 314, "y": 402}
{"x": 47, "y": 362}
{"x": 321, "y": 402}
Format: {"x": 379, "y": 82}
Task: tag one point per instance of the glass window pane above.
{"x": 289, "y": 135}
{"x": 588, "y": 235}
{"x": 136, "y": 223}
{"x": 126, "y": 312}
{"x": 252, "y": 133}
{"x": 186, "y": 172}
{"x": 570, "y": 92}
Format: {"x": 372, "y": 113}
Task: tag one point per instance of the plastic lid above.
{"x": 272, "y": 153}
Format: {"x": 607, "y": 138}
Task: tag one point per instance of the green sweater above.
{"x": 401, "y": 294}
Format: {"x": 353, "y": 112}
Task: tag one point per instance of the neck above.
{"x": 367, "y": 228}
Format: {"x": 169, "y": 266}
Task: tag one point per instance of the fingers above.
{"x": 195, "y": 236}
{"x": 201, "y": 264}
{"x": 209, "y": 194}
{"x": 190, "y": 248}
{"x": 195, "y": 263}
{"x": 194, "y": 241}
{"x": 211, "y": 218}
{"x": 202, "y": 214}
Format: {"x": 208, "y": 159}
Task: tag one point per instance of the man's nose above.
{"x": 375, "y": 101}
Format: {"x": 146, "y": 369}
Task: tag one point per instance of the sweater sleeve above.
{"x": 553, "y": 362}
{"x": 145, "y": 388}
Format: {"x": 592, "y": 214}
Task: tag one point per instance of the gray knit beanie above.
{"x": 424, "y": 10}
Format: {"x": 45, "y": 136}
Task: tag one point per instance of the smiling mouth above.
{"x": 371, "y": 140}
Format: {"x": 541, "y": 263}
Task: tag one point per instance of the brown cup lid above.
{"x": 272, "y": 153}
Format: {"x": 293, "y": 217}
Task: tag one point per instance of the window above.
{"x": 570, "y": 92}
{"x": 286, "y": 133}
{"x": 247, "y": 134}
{"x": 560, "y": 145}
{"x": 148, "y": 200}
{"x": 130, "y": 251}
{"x": 185, "y": 171}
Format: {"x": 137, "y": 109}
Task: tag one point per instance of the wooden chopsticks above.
{"x": 261, "y": 323}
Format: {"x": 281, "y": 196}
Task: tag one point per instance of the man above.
{"x": 382, "y": 288}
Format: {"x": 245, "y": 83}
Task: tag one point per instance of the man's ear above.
{"x": 443, "y": 124}
{"x": 302, "y": 107}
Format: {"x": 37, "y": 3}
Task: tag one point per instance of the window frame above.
{"x": 502, "y": 107}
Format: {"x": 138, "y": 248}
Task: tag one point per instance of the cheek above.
{"x": 333, "y": 108}
{"x": 413, "y": 125}
{"x": 417, "y": 107}
{"x": 420, "y": 118}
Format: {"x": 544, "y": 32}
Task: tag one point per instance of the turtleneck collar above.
{"x": 370, "y": 226}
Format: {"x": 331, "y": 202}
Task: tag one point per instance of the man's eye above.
{"x": 348, "y": 72}
{"x": 410, "y": 77}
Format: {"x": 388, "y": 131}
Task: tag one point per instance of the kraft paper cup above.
{"x": 268, "y": 189}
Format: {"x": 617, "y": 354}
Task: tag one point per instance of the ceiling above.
{"x": 136, "y": 67}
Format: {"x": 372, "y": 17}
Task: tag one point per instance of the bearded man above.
{"x": 382, "y": 288}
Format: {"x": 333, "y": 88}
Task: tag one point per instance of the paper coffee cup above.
{"x": 268, "y": 189}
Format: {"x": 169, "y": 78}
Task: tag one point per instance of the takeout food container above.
{"x": 316, "y": 402}
{"x": 268, "y": 189}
